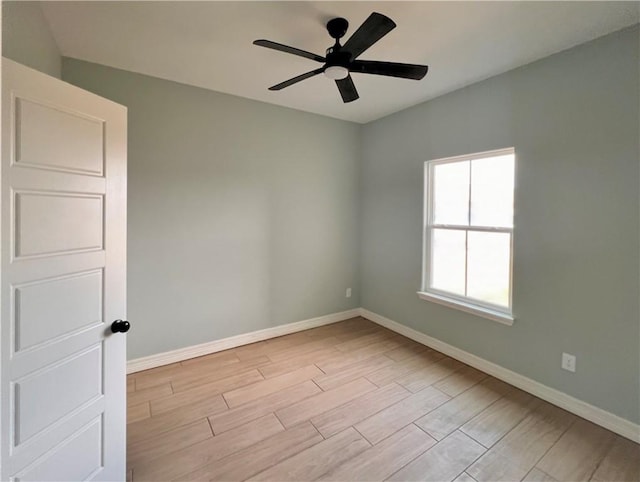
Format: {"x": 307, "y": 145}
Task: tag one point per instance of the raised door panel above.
{"x": 76, "y": 458}
{"x": 51, "y": 224}
{"x": 66, "y": 387}
{"x": 47, "y": 309}
{"x": 51, "y": 138}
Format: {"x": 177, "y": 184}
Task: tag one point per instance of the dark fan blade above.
{"x": 391, "y": 69}
{"x": 290, "y": 50}
{"x": 347, "y": 89}
{"x": 373, "y": 29}
{"x": 297, "y": 79}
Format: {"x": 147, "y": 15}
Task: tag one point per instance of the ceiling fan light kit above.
{"x": 336, "y": 72}
{"x": 340, "y": 60}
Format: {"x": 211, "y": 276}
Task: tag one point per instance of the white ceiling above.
{"x": 209, "y": 44}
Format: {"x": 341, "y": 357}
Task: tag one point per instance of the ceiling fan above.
{"x": 340, "y": 60}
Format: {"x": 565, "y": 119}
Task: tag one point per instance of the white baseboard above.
{"x": 601, "y": 417}
{"x": 194, "y": 351}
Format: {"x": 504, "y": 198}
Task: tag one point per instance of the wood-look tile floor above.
{"x": 354, "y": 401}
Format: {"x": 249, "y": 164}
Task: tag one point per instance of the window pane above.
{"x": 451, "y": 193}
{"x": 448, "y": 260}
{"x": 492, "y": 191}
{"x": 488, "y": 267}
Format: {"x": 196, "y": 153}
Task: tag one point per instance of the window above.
{"x": 468, "y": 233}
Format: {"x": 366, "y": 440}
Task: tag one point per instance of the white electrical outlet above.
{"x": 569, "y": 362}
{"x": 348, "y": 294}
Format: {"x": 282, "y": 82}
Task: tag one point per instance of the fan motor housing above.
{"x": 335, "y": 56}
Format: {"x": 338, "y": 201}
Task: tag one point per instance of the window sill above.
{"x": 503, "y": 318}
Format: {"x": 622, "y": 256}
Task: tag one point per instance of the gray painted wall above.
{"x": 573, "y": 119}
{"x": 242, "y": 215}
{"x": 26, "y": 37}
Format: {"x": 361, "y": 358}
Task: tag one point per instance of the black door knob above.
{"x": 120, "y": 326}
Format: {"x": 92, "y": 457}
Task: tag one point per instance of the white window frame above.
{"x": 481, "y": 308}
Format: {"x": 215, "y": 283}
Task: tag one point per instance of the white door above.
{"x": 63, "y": 248}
